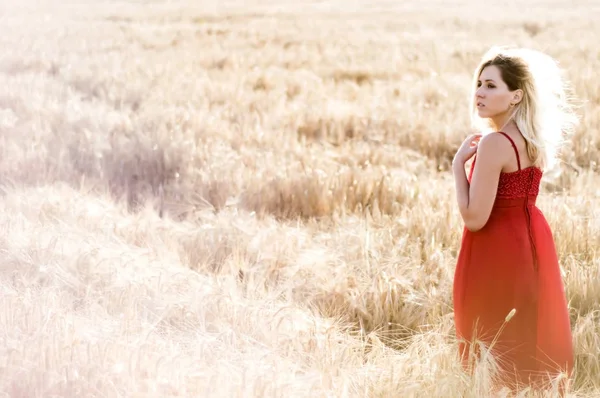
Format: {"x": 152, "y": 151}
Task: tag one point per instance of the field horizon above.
{"x": 254, "y": 199}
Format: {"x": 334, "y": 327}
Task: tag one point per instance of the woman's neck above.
{"x": 502, "y": 121}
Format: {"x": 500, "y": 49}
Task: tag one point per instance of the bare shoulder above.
{"x": 494, "y": 149}
{"x": 496, "y": 139}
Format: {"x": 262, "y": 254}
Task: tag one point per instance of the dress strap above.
{"x": 514, "y": 147}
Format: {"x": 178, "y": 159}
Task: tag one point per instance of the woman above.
{"x": 508, "y": 293}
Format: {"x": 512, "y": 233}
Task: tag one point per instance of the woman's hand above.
{"x": 467, "y": 149}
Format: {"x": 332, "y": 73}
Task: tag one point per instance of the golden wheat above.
{"x": 253, "y": 199}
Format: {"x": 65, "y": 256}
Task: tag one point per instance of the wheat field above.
{"x": 230, "y": 199}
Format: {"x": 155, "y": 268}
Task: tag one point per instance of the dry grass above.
{"x": 254, "y": 199}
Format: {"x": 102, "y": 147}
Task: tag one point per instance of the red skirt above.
{"x": 511, "y": 263}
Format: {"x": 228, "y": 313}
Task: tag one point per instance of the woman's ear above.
{"x": 517, "y": 96}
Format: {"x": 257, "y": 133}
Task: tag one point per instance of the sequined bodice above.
{"x": 517, "y": 184}
{"x": 520, "y": 184}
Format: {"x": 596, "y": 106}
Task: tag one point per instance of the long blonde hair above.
{"x": 544, "y": 115}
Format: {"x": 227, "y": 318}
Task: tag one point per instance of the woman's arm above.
{"x": 475, "y": 200}
{"x": 461, "y": 184}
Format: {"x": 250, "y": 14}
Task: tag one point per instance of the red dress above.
{"x": 511, "y": 263}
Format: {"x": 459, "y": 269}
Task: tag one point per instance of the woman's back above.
{"x": 519, "y": 182}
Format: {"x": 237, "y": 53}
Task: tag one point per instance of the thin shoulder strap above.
{"x": 514, "y": 147}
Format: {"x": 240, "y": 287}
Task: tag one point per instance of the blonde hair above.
{"x": 544, "y": 115}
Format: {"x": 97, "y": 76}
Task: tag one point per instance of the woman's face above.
{"x": 492, "y": 97}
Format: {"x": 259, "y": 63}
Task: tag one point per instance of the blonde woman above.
{"x": 508, "y": 292}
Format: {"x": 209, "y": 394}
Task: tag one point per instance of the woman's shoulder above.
{"x": 497, "y": 140}
{"x": 495, "y": 149}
